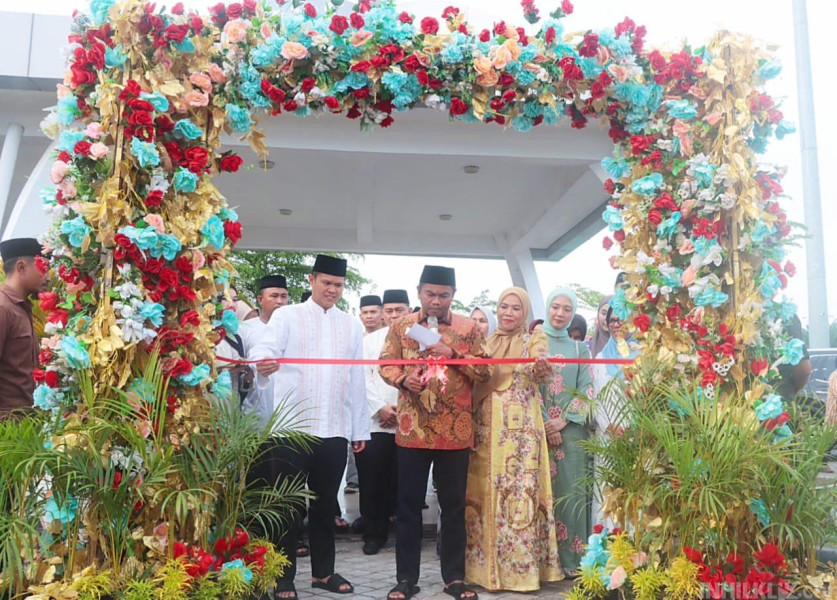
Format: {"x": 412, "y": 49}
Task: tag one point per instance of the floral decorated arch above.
{"x": 141, "y": 235}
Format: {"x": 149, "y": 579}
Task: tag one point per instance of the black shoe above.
{"x": 370, "y": 548}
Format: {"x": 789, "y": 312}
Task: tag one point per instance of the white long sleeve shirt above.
{"x": 378, "y": 392}
{"x": 258, "y": 401}
{"x": 327, "y": 400}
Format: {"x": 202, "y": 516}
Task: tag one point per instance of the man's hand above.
{"x": 358, "y": 447}
{"x": 440, "y": 350}
{"x": 413, "y": 383}
{"x": 387, "y": 415}
{"x": 554, "y": 426}
{"x": 554, "y": 439}
{"x": 266, "y": 368}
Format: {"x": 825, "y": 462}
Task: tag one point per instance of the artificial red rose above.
{"x": 665, "y": 202}
{"x": 380, "y": 62}
{"x": 388, "y": 120}
{"x": 154, "y": 198}
{"x": 790, "y": 269}
{"x": 590, "y": 46}
{"x": 82, "y": 148}
{"x": 429, "y": 26}
{"x": 509, "y": 96}
{"x": 240, "y": 538}
{"x": 234, "y": 10}
{"x": 138, "y": 104}
{"x": 196, "y": 23}
{"x": 58, "y": 316}
{"x": 405, "y": 17}
{"x": 218, "y": 13}
{"x": 308, "y": 84}
{"x": 39, "y": 376}
{"x": 48, "y": 301}
{"x": 598, "y": 528}
{"x": 642, "y": 322}
{"x": 339, "y": 24}
{"x": 45, "y": 356}
{"x": 190, "y": 317}
{"x": 232, "y": 229}
{"x": 458, "y": 106}
{"x": 180, "y": 366}
{"x": 361, "y": 94}
{"x": 770, "y": 557}
{"x": 64, "y": 156}
{"x": 117, "y": 479}
{"x": 183, "y": 264}
{"x": 619, "y": 235}
{"x": 196, "y": 158}
{"x": 394, "y": 52}
{"x": 607, "y": 243}
{"x": 449, "y": 12}
{"x": 497, "y": 104}
{"x": 221, "y": 546}
{"x": 423, "y": 77}
{"x": 177, "y": 9}
{"x": 176, "y": 33}
{"x": 51, "y": 379}
{"x": 353, "y": 112}
{"x": 673, "y": 312}
{"x": 230, "y": 163}
{"x": 154, "y": 265}
{"x": 163, "y": 124}
{"x": 332, "y": 103}
{"x": 310, "y": 10}
{"x": 549, "y": 36}
{"x": 522, "y": 38}
{"x": 567, "y": 7}
{"x": 505, "y": 80}
{"x": 655, "y": 217}
{"x": 357, "y": 20}
{"x": 131, "y": 90}
{"x": 362, "y": 66}
{"x": 693, "y": 555}
{"x": 168, "y": 278}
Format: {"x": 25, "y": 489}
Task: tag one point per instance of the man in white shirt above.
{"x": 273, "y": 294}
{"x": 376, "y": 465}
{"x": 329, "y": 404}
{"x": 371, "y": 313}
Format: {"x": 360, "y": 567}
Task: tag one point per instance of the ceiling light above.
{"x": 268, "y": 164}
{"x": 445, "y": 217}
{"x": 471, "y": 169}
{"x": 286, "y": 212}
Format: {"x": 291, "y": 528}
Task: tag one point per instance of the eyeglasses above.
{"x": 614, "y": 322}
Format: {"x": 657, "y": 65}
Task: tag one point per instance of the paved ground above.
{"x": 374, "y": 576}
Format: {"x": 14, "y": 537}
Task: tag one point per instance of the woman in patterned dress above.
{"x": 509, "y": 504}
{"x": 568, "y": 420}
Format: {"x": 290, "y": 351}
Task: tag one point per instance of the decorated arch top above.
{"x": 141, "y": 234}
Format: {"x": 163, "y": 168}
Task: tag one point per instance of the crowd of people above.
{"x": 501, "y": 440}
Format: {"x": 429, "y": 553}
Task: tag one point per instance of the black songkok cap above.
{"x": 20, "y": 247}
{"x": 305, "y": 296}
{"x": 328, "y": 265}
{"x": 396, "y": 297}
{"x": 273, "y": 281}
{"x": 438, "y": 276}
{"x": 370, "y": 300}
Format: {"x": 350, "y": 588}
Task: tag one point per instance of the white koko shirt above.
{"x": 327, "y": 400}
{"x": 378, "y": 392}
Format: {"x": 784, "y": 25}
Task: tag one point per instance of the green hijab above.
{"x": 548, "y": 329}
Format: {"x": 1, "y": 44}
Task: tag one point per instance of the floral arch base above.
{"x": 139, "y": 242}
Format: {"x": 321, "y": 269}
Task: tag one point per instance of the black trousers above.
{"x": 322, "y": 468}
{"x": 376, "y": 472}
{"x": 450, "y": 468}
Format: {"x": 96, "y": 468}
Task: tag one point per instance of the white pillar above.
{"x": 523, "y": 274}
{"x": 814, "y": 248}
{"x": 8, "y": 159}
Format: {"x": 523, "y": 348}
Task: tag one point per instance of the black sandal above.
{"x": 333, "y": 584}
{"x": 404, "y": 588}
{"x": 302, "y": 550}
{"x": 283, "y": 587}
{"x": 458, "y": 591}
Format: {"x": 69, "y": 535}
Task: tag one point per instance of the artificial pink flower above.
{"x": 202, "y": 81}
{"x": 216, "y": 73}
{"x": 98, "y": 150}
{"x": 155, "y": 221}
{"x": 68, "y": 188}
{"x": 93, "y": 130}
{"x": 236, "y": 31}
{"x": 360, "y": 37}
{"x": 617, "y": 578}
{"x": 197, "y": 99}
{"x": 294, "y": 51}
{"x": 58, "y": 171}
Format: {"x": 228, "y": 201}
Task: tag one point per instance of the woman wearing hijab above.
{"x": 601, "y": 333}
{"x": 568, "y": 419}
{"x": 509, "y": 502}
{"x": 484, "y": 316}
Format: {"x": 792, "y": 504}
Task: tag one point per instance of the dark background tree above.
{"x": 252, "y": 265}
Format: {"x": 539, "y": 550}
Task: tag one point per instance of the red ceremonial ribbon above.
{"x": 454, "y": 362}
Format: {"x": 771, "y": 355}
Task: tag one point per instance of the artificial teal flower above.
{"x": 47, "y": 195}
{"x": 157, "y": 100}
{"x": 769, "y": 70}
{"x": 169, "y": 246}
{"x": 758, "y": 506}
{"x": 46, "y": 398}
{"x": 595, "y": 553}
{"x": 787, "y": 310}
{"x": 186, "y": 46}
{"x": 770, "y": 408}
{"x": 99, "y": 10}
{"x": 187, "y": 130}
{"x": 115, "y": 57}
{"x": 703, "y": 174}
{"x": 793, "y": 352}
{"x": 238, "y": 118}
{"x": 228, "y": 214}
{"x": 64, "y": 513}
{"x": 185, "y": 181}
{"x": 760, "y": 231}
{"x": 668, "y": 227}
{"x": 143, "y": 389}
{"x": 69, "y": 138}
{"x": 238, "y": 565}
{"x": 648, "y": 185}
{"x": 213, "y": 230}
{"x": 617, "y": 168}
{"x": 75, "y": 351}
{"x": 613, "y": 217}
{"x": 782, "y": 433}
{"x": 681, "y": 109}
{"x": 620, "y": 305}
{"x": 196, "y": 376}
{"x": 153, "y": 312}
{"x": 784, "y": 128}
{"x": 76, "y": 230}
{"x": 703, "y": 245}
{"x": 67, "y": 110}
{"x": 222, "y": 388}
{"x": 522, "y": 123}
{"x": 769, "y": 282}
{"x": 229, "y": 321}
{"x": 145, "y": 153}
{"x": 711, "y": 297}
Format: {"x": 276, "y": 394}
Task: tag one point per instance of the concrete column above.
{"x": 523, "y": 274}
{"x": 8, "y": 160}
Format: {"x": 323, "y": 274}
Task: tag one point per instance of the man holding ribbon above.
{"x": 329, "y": 403}
{"x": 434, "y": 426}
